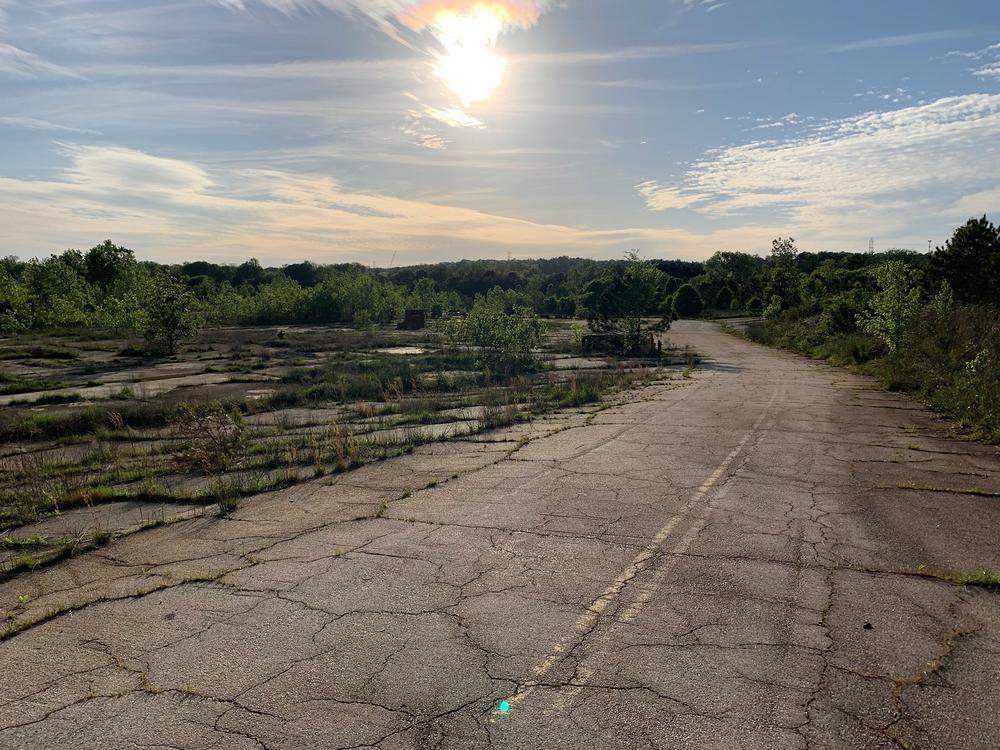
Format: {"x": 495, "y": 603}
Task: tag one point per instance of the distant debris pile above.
{"x": 413, "y": 320}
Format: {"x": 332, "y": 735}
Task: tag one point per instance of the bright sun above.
{"x": 468, "y": 64}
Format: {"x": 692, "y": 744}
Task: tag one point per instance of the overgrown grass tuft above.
{"x": 987, "y": 579}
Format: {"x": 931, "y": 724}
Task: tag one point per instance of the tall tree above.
{"x": 970, "y": 262}
{"x": 170, "y": 314}
{"x": 618, "y": 301}
{"x": 894, "y": 305}
{"x": 106, "y": 262}
{"x": 785, "y": 277}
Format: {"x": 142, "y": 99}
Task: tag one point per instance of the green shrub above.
{"x": 688, "y": 303}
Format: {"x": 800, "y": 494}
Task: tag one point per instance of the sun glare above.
{"x": 468, "y": 64}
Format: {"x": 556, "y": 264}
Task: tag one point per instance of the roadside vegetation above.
{"x": 928, "y": 325}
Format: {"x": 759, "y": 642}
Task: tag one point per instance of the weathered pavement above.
{"x": 722, "y": 562}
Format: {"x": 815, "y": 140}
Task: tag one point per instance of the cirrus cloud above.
{"x": 863, "y": 166}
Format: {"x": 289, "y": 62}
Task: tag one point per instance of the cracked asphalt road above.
{"x": 727, "y": 561}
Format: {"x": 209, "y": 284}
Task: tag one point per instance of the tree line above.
{"x": 826, "y": 293}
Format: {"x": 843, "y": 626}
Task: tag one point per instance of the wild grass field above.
{"x": 97, "y": 438}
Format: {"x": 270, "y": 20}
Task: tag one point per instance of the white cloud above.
{"x": 904, "y": 40}
{"x": 174, "y": 210}
{"x": 34, "y": 123}
{"x": 20, "y": 63}
{"x": 630, "y": 54}
{"x": 976, "y": 204}
{"x": 660, "y": 198}
{"x": 393, "y": 16}
{"x": 989, "y": 71}
{"x": 707, "y": 5}
{"x": 114, "y": 170}
{"x": 453, "y": 117}
{"x": 880, "y": 167}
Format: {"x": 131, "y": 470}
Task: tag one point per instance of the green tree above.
{"x": 107, "y": 262}
{"x": 619, "y": 301}
{"x": 369, "y": 299}
{"x": 423, "y": 297}
{"x": 15, "y": 314}
{"x": 740, "y": 272}
{"x": 688, "y": 303}
{"x": 170, "y": 314}
{"x": 773, "y": 309}
{"x": 226, "y": 306}
{"x": 280, "y": 301}
{"x": 503, "y": 333}
{"x": 784, "y": 277}
{"x": 57, "y": 295}
{"x": 894, "y": 305}
{"x": 122, "y": 304}
{"x": 970, "y": 262}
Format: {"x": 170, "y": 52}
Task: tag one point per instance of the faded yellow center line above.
{"x": 589, "y": 618}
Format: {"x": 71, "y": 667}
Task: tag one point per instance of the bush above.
{"x": 502, "y": 334}
{"x": 688, "y": 303}
{"x": 953, "y": 362}
{"x": 617, "y": 302}
{"x": 170, "y": 315}
{"x": 211, "y": 438}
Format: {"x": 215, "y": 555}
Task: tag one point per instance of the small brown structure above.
{"x": 413, "y": 320}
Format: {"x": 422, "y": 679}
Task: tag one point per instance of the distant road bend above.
{"x": 729, "y": 561}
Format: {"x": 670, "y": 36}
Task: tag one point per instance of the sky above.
{"x": 411, "y": 131}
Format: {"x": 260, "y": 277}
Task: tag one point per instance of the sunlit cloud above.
{"x": 453, "y": 117}
{"x": 465, "y": 33}
{"x": 660, "y": 198}
{"x": 878, "y": 167}
{"x": 172, "y": 208}
{"x": 107, "y": 169}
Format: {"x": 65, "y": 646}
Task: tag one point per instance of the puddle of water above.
{"x": 402, "y": 350}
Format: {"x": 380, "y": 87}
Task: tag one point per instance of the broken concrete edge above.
{"x": 16, "y": 625}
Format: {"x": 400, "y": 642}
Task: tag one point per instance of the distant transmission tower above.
{"x": 929, "y": 243}
{"x": 871, "y": 245}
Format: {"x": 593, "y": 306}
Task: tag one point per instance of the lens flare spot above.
{"x": 468, "y": 64}
{"x": 504, "y": 707}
